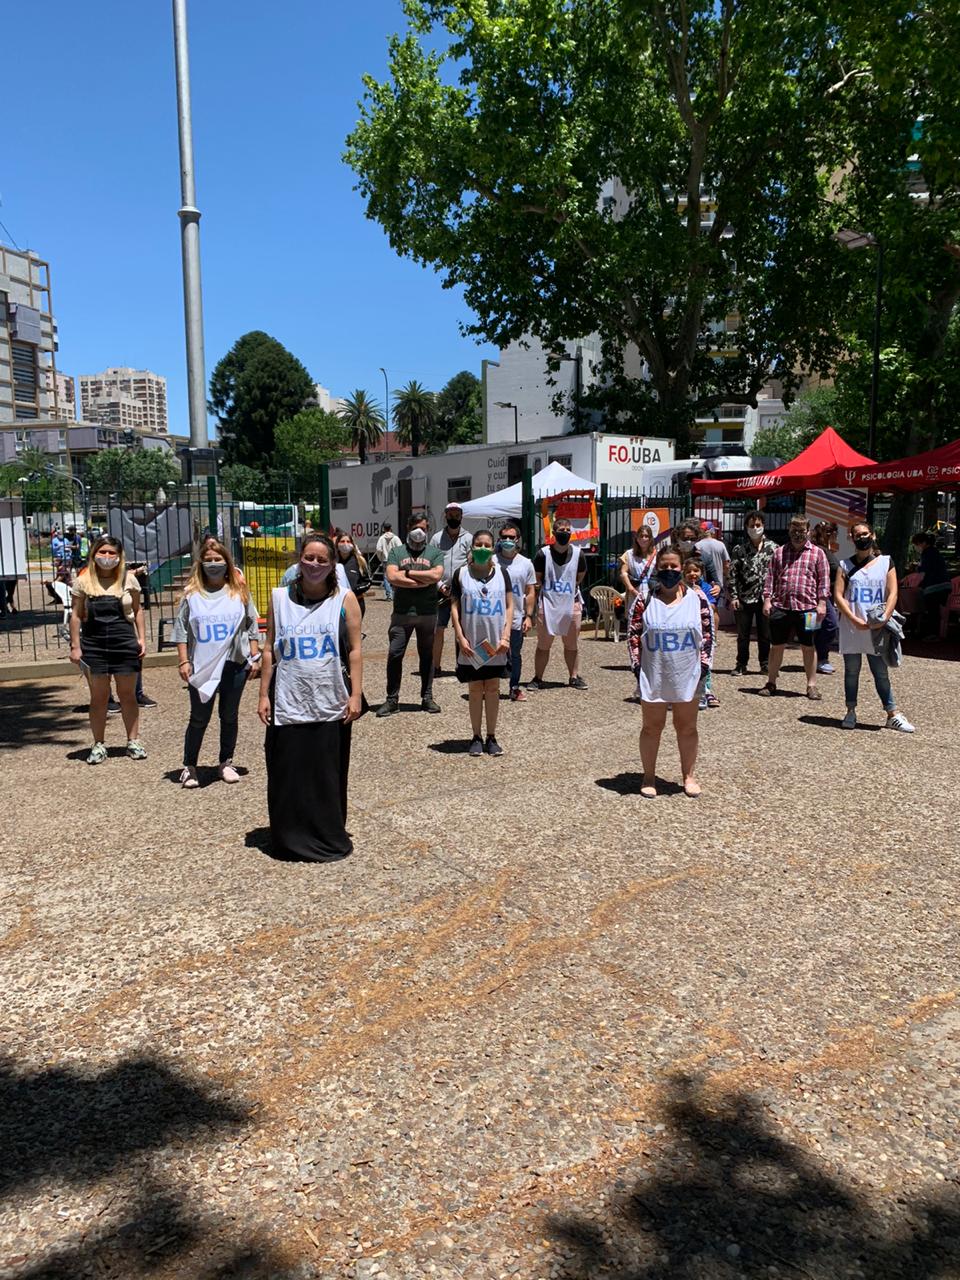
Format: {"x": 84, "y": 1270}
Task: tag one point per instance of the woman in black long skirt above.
{"x": 310, "y": 696}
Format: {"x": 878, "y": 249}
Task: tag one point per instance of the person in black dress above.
{"x": 354, "y": 566}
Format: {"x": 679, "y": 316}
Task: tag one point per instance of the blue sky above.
{"x": 89, "y": 179}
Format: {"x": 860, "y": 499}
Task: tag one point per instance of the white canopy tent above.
{"x": 508, "y": 503}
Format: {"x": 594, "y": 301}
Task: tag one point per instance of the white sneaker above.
{"x": 824, "y": 669}
{"x": 900, "y": 723}
{"x": 849, "y": 721}
{"x": 228, "y": 773}
{"x": 188, "y": 778}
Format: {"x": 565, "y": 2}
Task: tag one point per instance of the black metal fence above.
{"x": 40, "y": 556}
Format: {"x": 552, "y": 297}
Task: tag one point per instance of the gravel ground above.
{"x": 534, "y": 1027}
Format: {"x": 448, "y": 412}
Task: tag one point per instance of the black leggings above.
{"x": 401, "y": 629}
{"x": 230, "y": 692}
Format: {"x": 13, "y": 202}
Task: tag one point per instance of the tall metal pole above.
{"x": 386, "y": 409}
{"x": 516, "y": 425}
{"x": 875, "y": 374}
{"x": 189, "y": 216}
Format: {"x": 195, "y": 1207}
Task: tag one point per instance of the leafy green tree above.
{"x": 900, "y": 182}
{"x": 553, "y": 158}
{"x": 133, "y": 473}
{"x": 458, "y": 414}
{"x": 257, "y": 385}
{"x": 807, "y": 417}
{"x": 364, "y": 420}
{"x": 414, "y": 414}
{"x": 308, "y": 439}
{"x": 247, "y": 484}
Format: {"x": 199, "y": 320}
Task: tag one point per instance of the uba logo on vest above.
{"x": 305, "y": 647}
{"x": 669, "y": 641}
{"x": 208, "y": 629}
{"x": 483, "y": 608}
{"x": 559, "y": 588}
{"x": 863, "y": 593}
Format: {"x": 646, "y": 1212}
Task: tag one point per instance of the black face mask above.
{"x": 669, "y": 577}
{"x": 454, "y": 522}
{"x": 562, "y": 537}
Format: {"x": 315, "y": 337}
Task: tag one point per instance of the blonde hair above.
{"x": 233, "y": 582}
{"x": 343, "y": 536}
{"x": 92, "y": 586}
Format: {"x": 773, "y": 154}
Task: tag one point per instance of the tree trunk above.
{"x": 899, "y": 527}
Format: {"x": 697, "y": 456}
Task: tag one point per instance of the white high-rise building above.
{"x": 28, "y": 337}
{"x": 122, "y": 397}
{"x": 324, "y": 400}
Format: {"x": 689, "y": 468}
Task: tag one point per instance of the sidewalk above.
{"x": 534, "y": 1027}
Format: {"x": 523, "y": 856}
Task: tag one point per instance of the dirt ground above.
{"x": 535, "y": 1026}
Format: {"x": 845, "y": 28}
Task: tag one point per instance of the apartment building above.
{"x": 28, "y": 337}
{"x": 65, "y": 395}
{"x": 133, "y": 399}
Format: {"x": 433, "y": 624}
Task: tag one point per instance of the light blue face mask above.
{"x": 507, "y": 546}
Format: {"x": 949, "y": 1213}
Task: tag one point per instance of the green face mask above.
{"x": 482, "y": 555}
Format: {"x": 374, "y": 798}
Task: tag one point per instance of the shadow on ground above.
{"x": 33, "y": 714}
{"x": 732, "y": 1199}
{"x": 64, "y": 1128}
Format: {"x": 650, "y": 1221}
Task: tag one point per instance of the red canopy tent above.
{"x": 825, "y": 464}
{"x": 935, "y": 469}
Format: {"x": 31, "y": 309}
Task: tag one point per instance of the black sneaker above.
{"x": 428, "y": 704}
{"x": 535, "y": 684}
{"x": 739, "y": 671}
{"x": 493, "y": 747}
{"x": 476, "y": 746}
{"x": 388, "y": 707}
{"x": 113, "y": 706}
{"x": 577, "y": 682}
{"x": 763, "y": 668}
{"x": 146, "y": 702}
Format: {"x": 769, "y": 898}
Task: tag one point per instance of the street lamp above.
{"x": 507, "y": 404}
{"x": 578, "y": 381}
{"x": 386, "y": 404}
{"x": 854, "y": 240}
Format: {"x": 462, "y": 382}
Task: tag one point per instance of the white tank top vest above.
{"x": 309, "y": 683}
{"x": 670, "y": 649}
{"x": 865, "y": 590}
{"x": 214, "y": 620}
{"x": 639, "y": 570}
{"x": 559, "y": 592}
{"x": 483, "y": 613}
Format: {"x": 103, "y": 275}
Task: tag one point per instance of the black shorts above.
{"x": 467, "y": 672}
{"x": 785, "y": 624}
{"x": 443, "y": 613}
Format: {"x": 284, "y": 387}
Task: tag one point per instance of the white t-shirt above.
{"x": 521, "y": 573}
{"x": 385, "y": 544}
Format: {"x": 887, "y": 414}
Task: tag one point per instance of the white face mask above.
{"x": 755, "y": 533}
{"x": 685, "y": 544}
{"x": 107, "y": 563}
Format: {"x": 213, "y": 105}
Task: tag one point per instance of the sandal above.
{"x": 648, "y": 791}
{"x": 814, "y": 695}
{"x": 692, "y": 789}
{"x": 768, "y": 691}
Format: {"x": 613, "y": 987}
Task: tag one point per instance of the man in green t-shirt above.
{"x": 413, "y": 570}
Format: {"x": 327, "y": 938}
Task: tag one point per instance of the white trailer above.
{"x": 363, "y": 497}
{"x": 13, "y": 540}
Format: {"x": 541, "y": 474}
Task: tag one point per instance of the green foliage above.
{"x": 806, "y": 418}
{"x": 247, "y": 484}
{"x": 257, "y": 385}
{"x": 364, "y": 420}
{"x": 134, "y": 473}
{"x": 503, "y": 160}
{"x": 458, "y": 414}
{"x": 414, "y": 414}
{"x": 308, "y": 439}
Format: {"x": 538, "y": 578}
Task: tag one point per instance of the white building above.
{"x": 325, "y": 401}
{"x": 65, "y": 389}
{"x": 125, "y": 398}
{"x": 519, "y": 390}
{"x": 28, "y": 337}
{"x": 768, "y": 413}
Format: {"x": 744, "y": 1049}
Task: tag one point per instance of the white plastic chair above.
{"x": 605, "y": 596}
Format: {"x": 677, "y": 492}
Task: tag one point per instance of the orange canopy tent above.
{"x": 825, "y": 464}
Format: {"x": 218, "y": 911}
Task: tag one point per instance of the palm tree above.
{"x": 414, "y": 413}
{"x": 364, "y": 419}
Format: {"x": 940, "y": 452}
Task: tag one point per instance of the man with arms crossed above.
{"x": 560, "y": 570}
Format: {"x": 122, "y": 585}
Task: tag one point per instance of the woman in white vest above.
{"x": 481, "y": 609}
{"x": 671, "y": 642}
{"x": 637, "y": 565}
{"x": 560, "y": 569}
{"x": 311, "y": 692}
{"x": 865, "y": 593}
{"x": 217, "y": 633}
